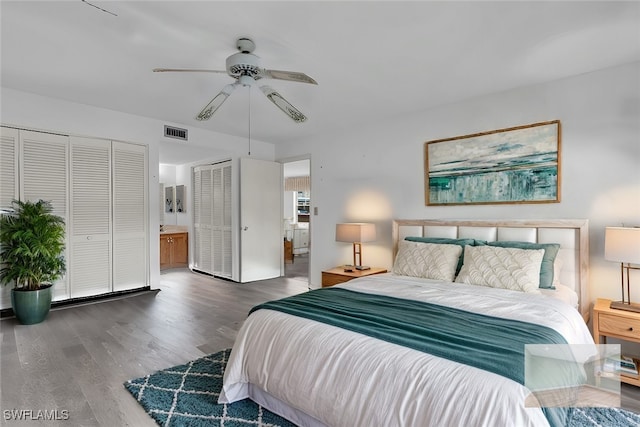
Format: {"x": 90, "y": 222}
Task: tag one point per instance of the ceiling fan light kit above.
{"x": 282, "y": 104}
{"x": 216, "y": 102}
{"x": 245, "y": 67}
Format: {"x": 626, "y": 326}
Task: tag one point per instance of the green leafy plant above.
{"x": 31, "y": 245}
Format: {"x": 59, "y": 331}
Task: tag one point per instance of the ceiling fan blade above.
{"x": 283, "y": 104}
{"x": 288, "y": 75}
{"x": 186, "y": 70}
{"x": 216, "y": 102}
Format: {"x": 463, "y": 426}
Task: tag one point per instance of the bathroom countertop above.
{"x": 171, "y": 229}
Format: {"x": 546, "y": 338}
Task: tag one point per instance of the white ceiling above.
{"x": 372, "y": 60}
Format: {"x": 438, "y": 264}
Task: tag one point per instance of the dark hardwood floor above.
{"x": 79, "y": 358}
{"x": 299, "y": 268}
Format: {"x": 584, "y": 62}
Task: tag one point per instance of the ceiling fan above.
{"x": 245, "y": 68}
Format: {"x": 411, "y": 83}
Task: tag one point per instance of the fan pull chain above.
{"x": 249, "y": 121}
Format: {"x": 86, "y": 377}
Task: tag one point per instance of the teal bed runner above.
{"x": 489, "y": 343}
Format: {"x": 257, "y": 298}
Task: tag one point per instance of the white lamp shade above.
{"x": 622, "y": 244}
{"x": 355, "y": 232}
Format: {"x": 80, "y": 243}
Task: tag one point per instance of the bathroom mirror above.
{"x": 180, "y": 199}
{"x": 169, "y": 199}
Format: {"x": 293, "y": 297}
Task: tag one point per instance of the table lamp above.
{"x": 622, "y": 244}
{"x": 356, "y": 233}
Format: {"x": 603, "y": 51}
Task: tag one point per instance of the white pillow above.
{"x": 557, "y": 267}
{"x": 506, "y": 268}
{"x": 428, "y": 260}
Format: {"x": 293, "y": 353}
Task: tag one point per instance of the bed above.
{"x": 385, "y": 368}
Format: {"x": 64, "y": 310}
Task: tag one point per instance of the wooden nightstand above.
{"x": 338, "y": 275}
{"x": 624, "y": 325}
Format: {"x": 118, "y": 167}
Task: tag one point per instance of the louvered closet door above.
{"x": 90, "y": 215}
{"x": 8, "y": 166}
{"x": 225, "y": 226}
{"x": 212, "y": 219}
{"x": 8, "y": 186}
{"x": 43, "y": 175}
{"x": 222, "y": 221}
{"x": 130, "y": 205}
{"x": 204, "y": 225}
{"x": 217, "y": 206}
{"x": 197, "y": 184}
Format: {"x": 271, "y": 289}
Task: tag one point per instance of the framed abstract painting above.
{"x": 513, "y": 165}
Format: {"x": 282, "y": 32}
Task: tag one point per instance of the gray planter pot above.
{"x": 31, "y": 307}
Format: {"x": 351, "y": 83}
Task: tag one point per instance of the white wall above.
{"x": 375, "y": 172}
{"x": 27, "y": 110}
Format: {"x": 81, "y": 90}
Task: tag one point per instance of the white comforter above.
{"x": 343, "y": 378}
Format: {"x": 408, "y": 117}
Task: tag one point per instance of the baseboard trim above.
{"x": 204, "y": 273}
{"x": 8, "y": 312}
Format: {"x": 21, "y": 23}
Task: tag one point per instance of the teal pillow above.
{"x": 546, "y": 268}
{"x": 445, "y": 241}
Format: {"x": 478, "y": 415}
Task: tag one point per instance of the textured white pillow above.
{"x": 506, "y": 268}
{"x": 428, "y": 260}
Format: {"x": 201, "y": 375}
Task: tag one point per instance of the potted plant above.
{"x": 32, "y": 241}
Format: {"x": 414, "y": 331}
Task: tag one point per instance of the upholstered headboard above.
{"x": 572, "y": 235}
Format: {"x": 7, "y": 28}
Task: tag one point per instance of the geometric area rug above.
{"x": 187, "y": 395}
{"x": 605, "y": 417}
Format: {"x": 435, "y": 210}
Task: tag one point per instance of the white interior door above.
{"x": 212, "y": 219}
{"x": 261, "y": 244}
{"x": 8, "y": 167}
{"x": 43, "y": 171}
{"x": 8, "y": 186}
{"x": 89, "y": 228}
{"x": 130, "y": 213}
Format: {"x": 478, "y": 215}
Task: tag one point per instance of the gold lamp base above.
{"x": 626, "y": 306}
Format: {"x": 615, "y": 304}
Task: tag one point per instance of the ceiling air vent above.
{"x": 174, "y": 132}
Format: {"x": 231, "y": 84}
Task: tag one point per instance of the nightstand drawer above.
{"x": 617, "y": 325}
{"x": 329, "y": 279}
{"x": 338, "y": 275}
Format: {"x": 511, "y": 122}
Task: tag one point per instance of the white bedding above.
{"x": 342, "y": 378}
{"x": 563, "y": 293}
